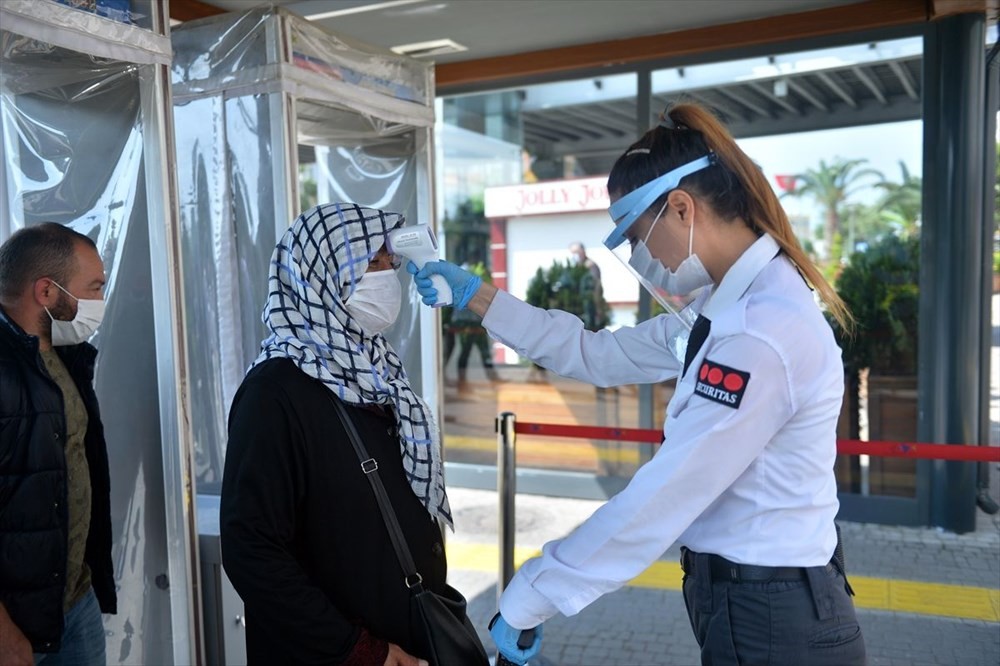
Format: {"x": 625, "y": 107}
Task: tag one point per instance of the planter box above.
{"x": 892, "y": 416}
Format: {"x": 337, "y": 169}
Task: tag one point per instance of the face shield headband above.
{"x": 630, "y": 207}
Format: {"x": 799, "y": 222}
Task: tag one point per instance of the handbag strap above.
{"x": 370, "y": 467}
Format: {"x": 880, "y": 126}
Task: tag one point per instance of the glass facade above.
{"x": 864, "y": 184}
{"x": 838, "y": 133}
{"x": 518, "y": 148}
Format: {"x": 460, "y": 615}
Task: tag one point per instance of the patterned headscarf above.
{"x": 314, "y": 270}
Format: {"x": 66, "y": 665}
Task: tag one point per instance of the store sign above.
{"x": 558, "y": 196}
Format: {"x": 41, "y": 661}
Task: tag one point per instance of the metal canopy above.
{"x": 856, "y": 94}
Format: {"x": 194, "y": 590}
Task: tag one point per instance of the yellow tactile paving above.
{"x": 551, "y": 450}
{"x": 973, "y": 603}
{"x": 902, "y": 596}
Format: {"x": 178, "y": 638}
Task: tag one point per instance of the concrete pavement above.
{"x": 924, "y": 596}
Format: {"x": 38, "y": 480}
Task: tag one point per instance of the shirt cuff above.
{"x": 524, "y": 607}
{"x": 367, "y": 650}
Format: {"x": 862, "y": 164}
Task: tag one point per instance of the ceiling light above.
{"x": 431, "y": 48}
{"x": 420, "y": 9}
{"x": 360, "y": 9}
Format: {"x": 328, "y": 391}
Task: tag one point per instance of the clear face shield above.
{"x": 624, "y": 213}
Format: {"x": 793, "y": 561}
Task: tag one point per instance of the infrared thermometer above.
{"x": 419, "y": 245}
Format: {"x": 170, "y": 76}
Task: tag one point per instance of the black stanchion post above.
{"x": 506, "y": 490}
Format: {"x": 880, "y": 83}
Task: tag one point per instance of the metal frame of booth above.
{"x": 75, "y": 88}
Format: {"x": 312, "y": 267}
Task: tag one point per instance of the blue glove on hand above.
{"x": 464, "y": 284}
{"x": 510, "y": 643}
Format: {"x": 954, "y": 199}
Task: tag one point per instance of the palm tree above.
{"x": 869, "y": 222}
{"x": 901, "y": 202}
{"x": 831, "y": 185}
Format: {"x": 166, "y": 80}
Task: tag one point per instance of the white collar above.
{"x": 741, "y": 275}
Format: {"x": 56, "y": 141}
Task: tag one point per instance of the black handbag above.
{"x": 441, "y": 627}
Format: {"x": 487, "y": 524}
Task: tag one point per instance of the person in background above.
{"x": 594, "y": 308}
{"x": 467, "y": 328}
{"x": 56, "y": 575}
{"x": 580, "y": 257}
{"x": 744, "y": 478}
{"x": 303, "y": 540}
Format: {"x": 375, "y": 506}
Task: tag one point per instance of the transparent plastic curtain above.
{"x": 247, "y": 88}
{"x": 381, "y": 174}
{"x": 267, "y": 48}
{"x": 73, "y": 153}
{"x": 226, "y": 187}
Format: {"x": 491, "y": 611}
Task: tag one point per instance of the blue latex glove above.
{"x": 506, "y": 637}
{"x": 464, "y": 284}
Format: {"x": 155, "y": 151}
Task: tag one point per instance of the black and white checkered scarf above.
{"x": 314, "y": 269}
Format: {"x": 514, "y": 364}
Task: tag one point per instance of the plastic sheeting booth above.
{"x": 252, "y": 91}
{"x": 84, "y": 102}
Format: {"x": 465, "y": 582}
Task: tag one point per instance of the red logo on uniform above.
{"x": 721, "y": 384}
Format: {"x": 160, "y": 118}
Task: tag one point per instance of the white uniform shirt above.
{"x": 746, "y": 466}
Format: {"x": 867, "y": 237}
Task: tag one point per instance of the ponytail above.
{"x": 736, "y": 188}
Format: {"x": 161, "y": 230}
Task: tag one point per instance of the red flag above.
{"x": 786, "y": 183}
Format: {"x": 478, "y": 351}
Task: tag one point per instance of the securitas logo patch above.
{"x": 721, "y": 384}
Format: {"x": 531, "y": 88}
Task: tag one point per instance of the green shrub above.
{"x": 880, "y": 288}
{"x": 572, "y": 288}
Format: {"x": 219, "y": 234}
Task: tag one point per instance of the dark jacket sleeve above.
{"x": 263, "y": 484}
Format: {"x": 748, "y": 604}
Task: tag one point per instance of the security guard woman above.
{"x": 744, "y": 479}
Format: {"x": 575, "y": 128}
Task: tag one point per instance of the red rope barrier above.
{"x": 848, "y": 447}
{"x": 589, "y": 432}
{"x": 852, "y": 447}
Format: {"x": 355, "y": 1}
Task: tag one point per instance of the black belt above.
{"x": 725, "y": 571}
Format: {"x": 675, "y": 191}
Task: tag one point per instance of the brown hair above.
{"x": 44, "y": 250}
{"x": 735, "y": 187}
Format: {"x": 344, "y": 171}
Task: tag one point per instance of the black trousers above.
{"x": 798, "y": 617}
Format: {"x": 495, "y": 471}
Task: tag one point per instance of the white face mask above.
{"x": 690, "y": 275}
{"x": 375, "y": 301}
{"x": 89, "y": 314}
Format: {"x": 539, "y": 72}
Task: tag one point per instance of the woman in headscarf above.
{"x": 302, "y": 537}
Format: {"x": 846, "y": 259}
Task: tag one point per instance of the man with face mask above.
{"x": 303, "y": 540}
{"x": 56, "y": 574}
{"x": 594, "y": 309}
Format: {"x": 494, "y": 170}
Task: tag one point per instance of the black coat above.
{"x": 34, "y": 525}
{"x": 303, "y": 541}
